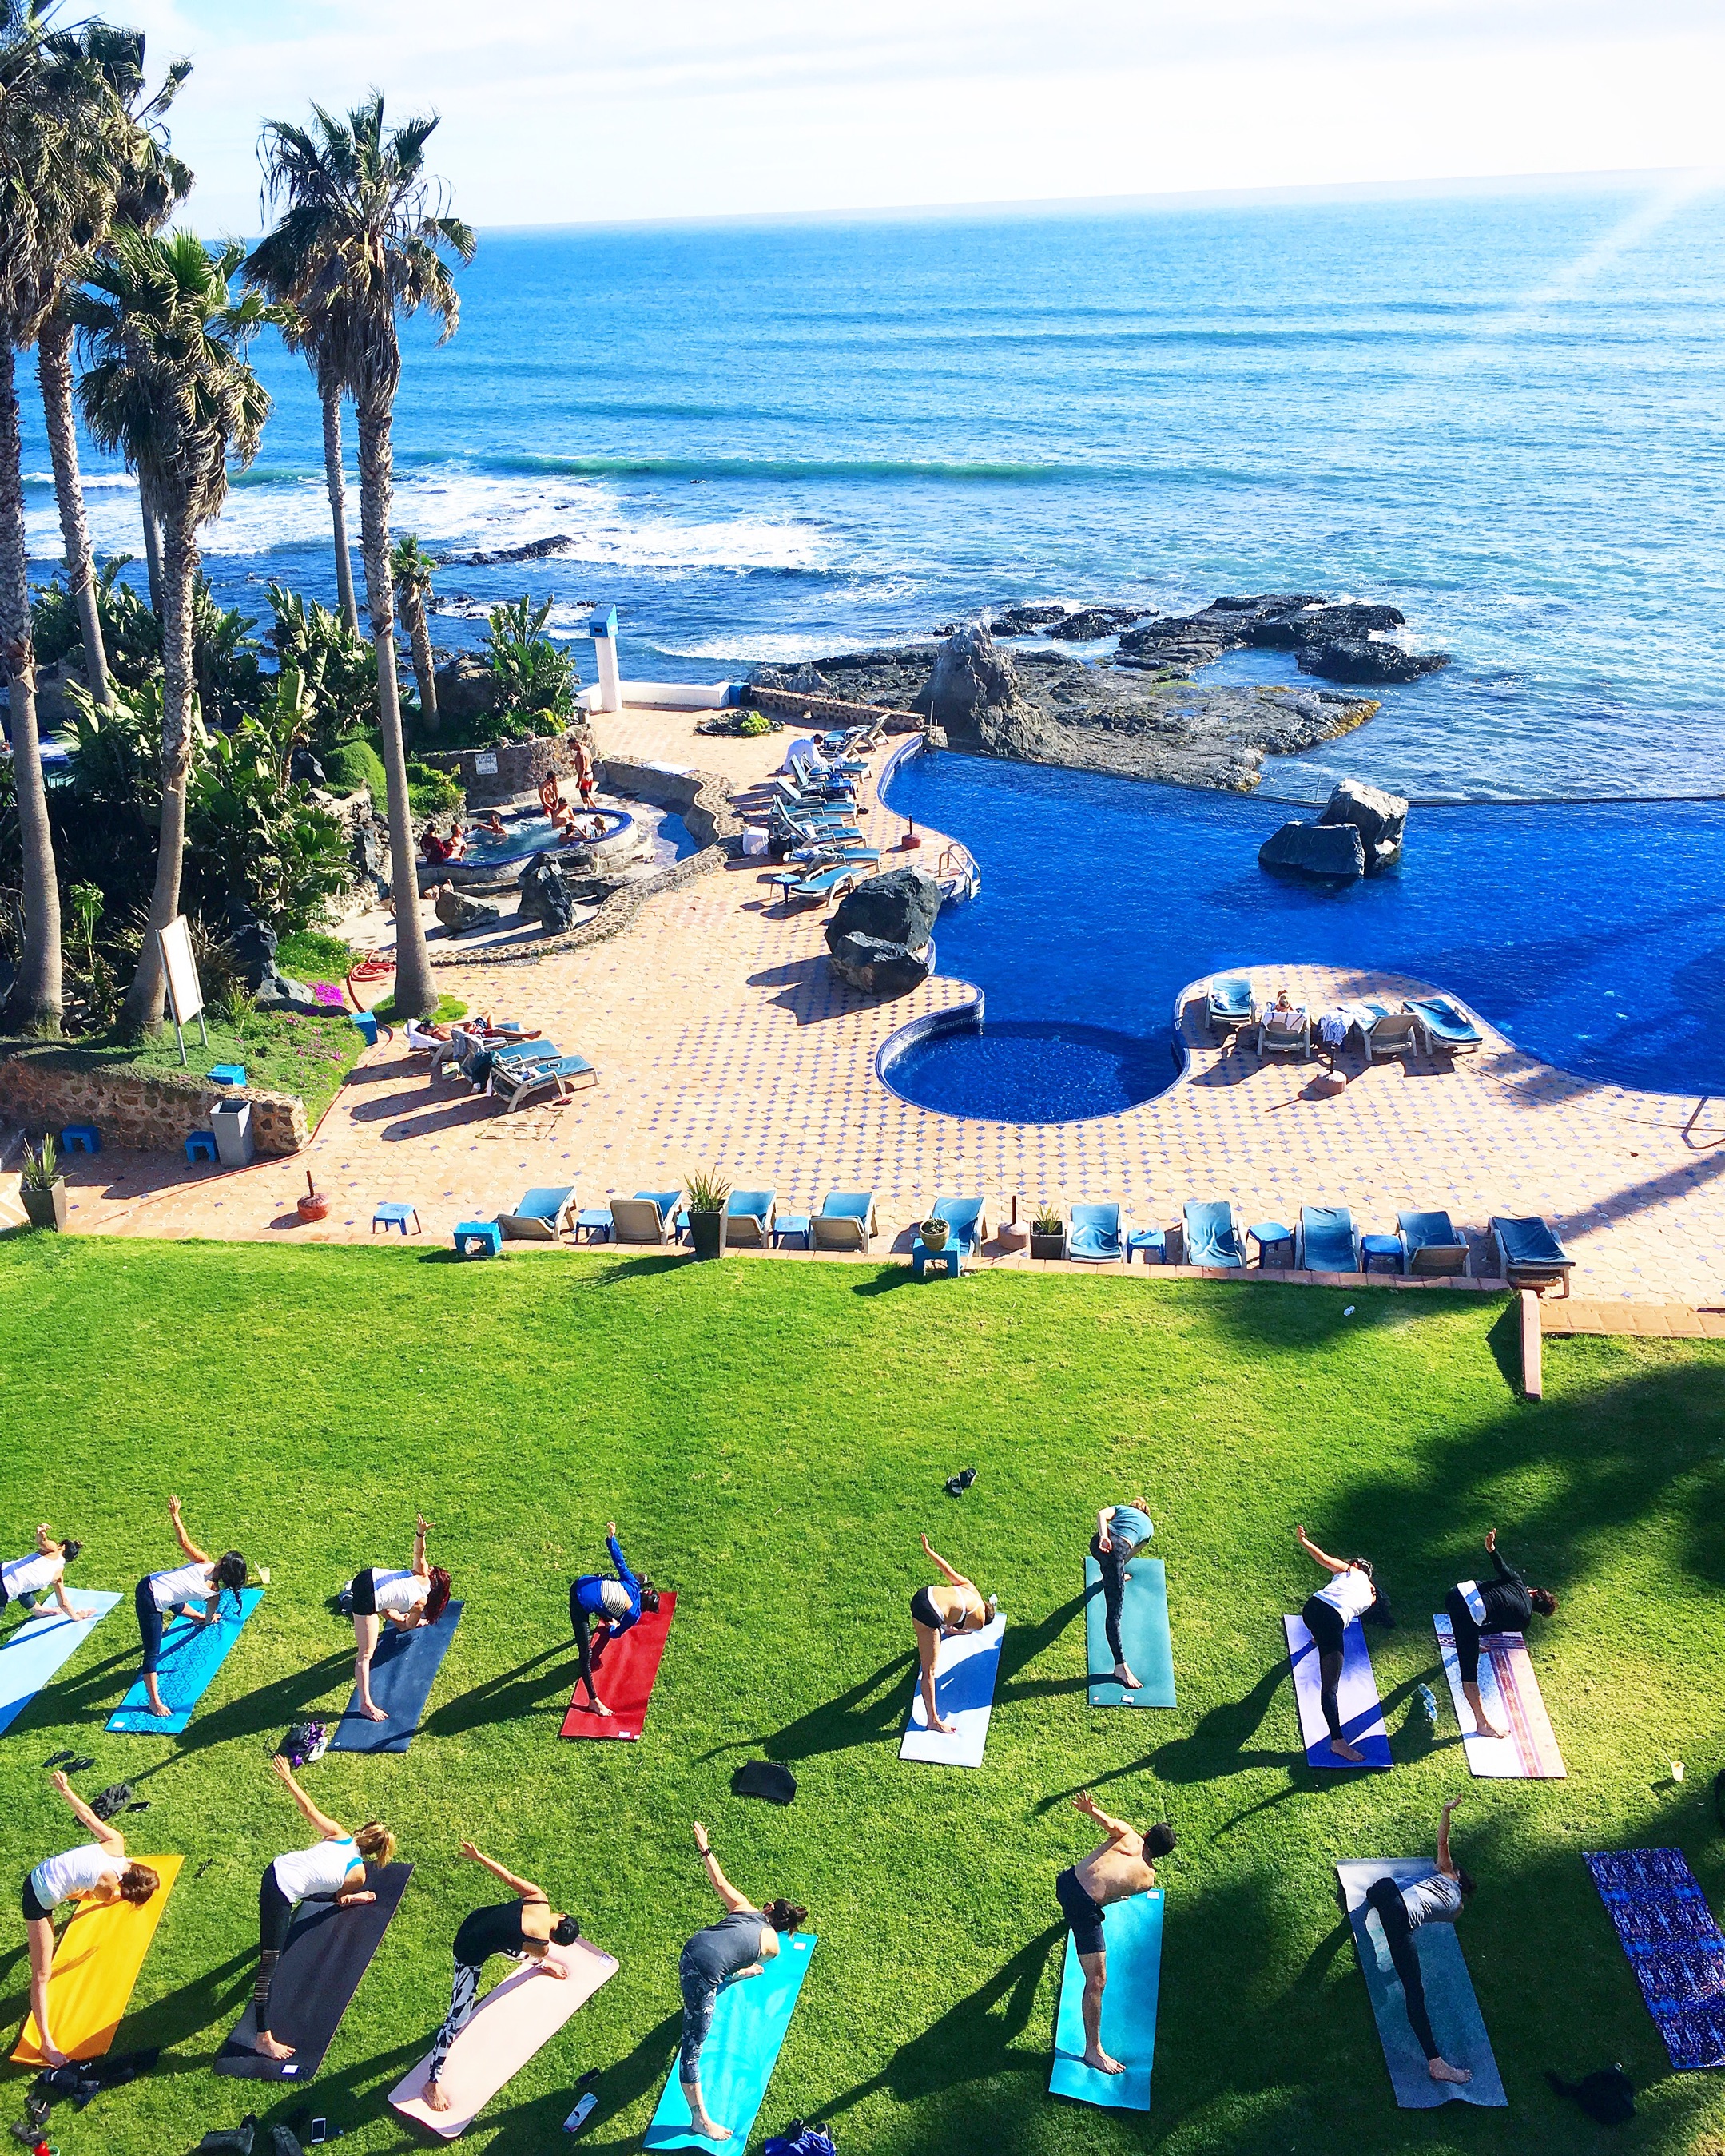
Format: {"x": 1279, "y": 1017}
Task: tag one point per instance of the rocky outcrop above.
{"x": 1380, "y": 818}
{"x": 461, "y": 914}
{"x": 1088, "y": 622}
{"x": 532, "y": 550}
{"x": 464, "y": 688}
{"x": 1334, "y": 851}
{"x": 880, "y": 938}
{"x": 253, "y": 943}
{"x": 545, "y": 897}
{"x": 1382, "y": 665}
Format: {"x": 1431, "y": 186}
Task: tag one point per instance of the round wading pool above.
{"x": 1026, "y": 1070}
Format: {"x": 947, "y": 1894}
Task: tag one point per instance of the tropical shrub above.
{"x": 338, "y": 668}
{"x": 532, "y": 673}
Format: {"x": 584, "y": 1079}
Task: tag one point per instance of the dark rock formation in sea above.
{"x": 1334, "y": 851}
{"x": 1380, "y": 818}
{"x": 1351, "y": 660}
{"x": 879, "y": 938}
{"x": 532, "y": 550}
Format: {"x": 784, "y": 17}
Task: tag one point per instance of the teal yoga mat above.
{"x": 1456, "y": 2022}
{"x": 41, "y": 1646}
{"x": 1143, "y": 1633}
{"x": 191, "y": 1655}
{"x": 737, "y": 2059}
{"x": 1131, "y": 1931}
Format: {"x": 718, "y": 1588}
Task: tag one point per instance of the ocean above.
{"x": 767, "y": 441}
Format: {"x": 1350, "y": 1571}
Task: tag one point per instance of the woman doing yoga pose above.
{"x": 740, "y": 1945}
{"x": 98, "y": 1872}
{"x": 1503, "y": 1605}
{"x": 44, "y": 1569}
{"x": 333, "y": 1870}
{"x": 938, "y": 1613}
{"x": 525, "y": 1929}
{"x": 417, "y": 1596}
{"x": 1352, "y": 1592}
{"x": 205, "y": 1579}
{"x": 619, "y": 1601}
{"x": 1121, "y": 1531}
{"x": 1401, "y": 1911}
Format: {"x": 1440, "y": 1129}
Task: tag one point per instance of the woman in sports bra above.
{"x": 203, "y": 1579}
{"x": 417, "y": 1596}
{"x": 938, "y": 1613}
{"x": 333, "y": 1870}
{"x": 42, "y": 1572}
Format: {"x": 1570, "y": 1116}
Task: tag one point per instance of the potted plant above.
{"x": 933, "y": 1232}
{"x": 1048, "y": 1233}
{"x": 707, "y": 1199}
{"x": 42, "y": 1187}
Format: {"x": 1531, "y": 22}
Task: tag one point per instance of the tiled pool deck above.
{"x": 723, "y": 1042}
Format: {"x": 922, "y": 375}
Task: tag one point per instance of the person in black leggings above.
{"x": 525, "y": 1929}
{"x": 1503, "y": 1605}
{"x": 1401, "y": 1911}
{"x": 1352, "y": 1592}
{"x": 1122, "y": 1530}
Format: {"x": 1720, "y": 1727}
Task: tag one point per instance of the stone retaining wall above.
{"x": 521, "y": 766}
{"x": 835, "y": 711}
{"x": 144, "y": 1107}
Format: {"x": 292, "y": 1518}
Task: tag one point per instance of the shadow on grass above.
{"x": 1023, "y": 1642}
{"x": 870, "y": 1712}
{"x": 511, "y": 1697}
{"x": 617, "y": 2088}
{"x": 270, "y": 1708}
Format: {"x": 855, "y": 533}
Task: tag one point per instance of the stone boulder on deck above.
{"x": 879, "y": 937}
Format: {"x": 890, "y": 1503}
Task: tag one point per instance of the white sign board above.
{"x": 185, "y": 994}
{"x": 484, "y": 764}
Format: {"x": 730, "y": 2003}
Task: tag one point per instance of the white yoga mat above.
{"x": 965, "y": 1668}
{"x": 1509, "y": 1692}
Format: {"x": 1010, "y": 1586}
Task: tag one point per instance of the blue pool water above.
{"x": 1593, "y": 935}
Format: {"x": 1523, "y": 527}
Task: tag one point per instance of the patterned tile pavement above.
{"x": 723, "y": 1042}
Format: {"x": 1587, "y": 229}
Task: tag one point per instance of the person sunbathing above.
{"x": 1284, "y": 1013}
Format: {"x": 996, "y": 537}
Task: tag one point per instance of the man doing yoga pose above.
{"x": 740, "y": 1945}
{"x": 1352, "y": 1592}
{"x": 1503, "y": 1605}
{"x": 1122, "y": 1530}
{"x": 1115, "y": 1868}
{"x": 44, "y": 1569}
{"x": 97, "y": 1872}
{"x": 205, "y": 1579}
{"x": 417, "y": 1596}
{"x": 1401, "y": 1911}
{"x": 938, "y": 1613}
{"x": 620, "y": 1601}
{"x": 525, "y": 1929}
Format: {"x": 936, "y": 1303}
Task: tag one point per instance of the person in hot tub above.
{"x": 490, "y": 826}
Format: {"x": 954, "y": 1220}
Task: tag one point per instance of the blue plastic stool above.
{"x": 1268, "y": 1235}
{"x": 922, "y": 1257}
{"x": 200, "y": 1144}
{"x": 1148, "y": 1239}
{"x": 595, "y": 1222}
{"x": 793, "y": 1223}
{"x": 393, "y": 1215}
{"x": 227, "y": 1074}
{"x": 478, "y": 1238}
{"x": 366, "y": 1023}
{"x": 1380, "y": 1248}
{"x": 80, "y": 1137}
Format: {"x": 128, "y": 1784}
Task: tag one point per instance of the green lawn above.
{"x": 771, "y": 1438}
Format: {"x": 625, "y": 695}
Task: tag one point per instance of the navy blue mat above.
{"x": 403, "y": 1671}
{"x": 1675, "y": 1948}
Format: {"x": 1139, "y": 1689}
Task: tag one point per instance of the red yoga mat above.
{"x": 626, "y": 1668}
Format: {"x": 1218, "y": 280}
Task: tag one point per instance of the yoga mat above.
{"x": 1143, "y": 1633}
{"x": 1509, "y": 1692}
{"x": 515, "y": 2020}
{"x": 191, "y": 1655}
{"x": 965, "y": 1668}
{"x": 1131, "y": 1931}
{"x": 736, "y": 2061}
{"x": 328, "y": 1951}
{"x": 1356, "y": 1697}
{"x": 1674, "y": 1947}
{"x": 96, "y": 1966}
{"x": 403, "y": 1671}
{"x": 625, "y": 1675}
{"x": 1453, "y": 2011}
{"x": 41, "y": 1646}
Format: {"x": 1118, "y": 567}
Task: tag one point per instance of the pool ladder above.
{"x": 957, "y": 872}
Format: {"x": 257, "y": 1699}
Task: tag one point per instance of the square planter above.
{"x": 231, "y": 1122}
{"x": 1048, "y": 1246}
{"x": 45, "y": 1208}
{"x": 707, "y": 1233}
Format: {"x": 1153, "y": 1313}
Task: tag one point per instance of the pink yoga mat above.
{"x": 514, "y": 2021}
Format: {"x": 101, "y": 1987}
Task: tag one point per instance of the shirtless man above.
{"x": 1117, "y": 1868}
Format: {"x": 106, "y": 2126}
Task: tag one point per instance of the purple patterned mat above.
{"x": 1675, "y": 1948}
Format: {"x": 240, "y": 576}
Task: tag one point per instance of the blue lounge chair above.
{"x": 846, "y": 1221}
{"x": 650, "y": 1216}
{"x": 966, "y": 1228}
{"x": 1094, "y": 1238}
{"x": 1294, "y": 1039}
{"x": 1445, "y": 1024}
{"x": 1228, "y": 1006}
{"x": 1210, "y": 1237}
{"x": 1430, "y": 1245}
{"x": 1391, "y": 1032}
{"x": 817, "y": 889}
{"x": 748, "y": 1218}
{"x": 1328, "y": 1240}
{"x": 1529, "y": 1255}
{"x": 541, "y": 1217}
{"x": 562, "y": 1074}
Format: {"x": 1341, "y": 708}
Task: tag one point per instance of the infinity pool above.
{"x": 1592, "y": 935}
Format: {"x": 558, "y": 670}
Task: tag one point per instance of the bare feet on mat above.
{"x": 1441, "y": 2069}
{"x": 944, "y": 1728}
{"x": 435, "y": 2098}
{"x": 161, "y": 1710}
{"x": 1123, "y": 1676}
{"x": 272, "y": 2047}
{"x": 375, "y": 1713}
{"x": 600, "y": 1707}
{"x": 1343, "y": 1750}
{"x": 1100, "y": 2062}
{"x": 705, "y": 2128}
{"x": 1484, "y": 1728}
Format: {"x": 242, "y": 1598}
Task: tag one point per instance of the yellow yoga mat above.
{"x": 95, "y": 1966}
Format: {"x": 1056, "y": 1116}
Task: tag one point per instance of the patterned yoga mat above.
{"x": 1675, "y": 1948}
{"x": 1509, "y": 1692}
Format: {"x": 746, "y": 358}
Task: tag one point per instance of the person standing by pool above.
{"x": 619, "y": 1601}
{"x": 44, "y": 1569}
{"x": 98, "y": 1872}
{"x": 1401, "y": 1911}
{"x": 205, "y": 1579}
{"x": 1503, "y": 1605}
{"x": 1352, "y": 1592}
{"x": 1121, "y": 1531}
{"x": 1120, "y": 1866}
{"x": 940, "y": 1613}
{"x": 737, "y": 1948}
{"x": 417, "y": 1596}
{"x": 584, "y": 774}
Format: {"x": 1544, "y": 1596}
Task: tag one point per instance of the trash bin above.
{"x": 231, "y": 1122}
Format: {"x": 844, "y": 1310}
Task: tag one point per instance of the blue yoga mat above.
{"x": 1132, "y": 1932}
{"x": 1674, "y": 1947}
{"x": 1356, "y": 1699}
{"x": 1456, "y": 2022}
{"x": 191, "y": 1655}
{"x": 1143, "y": 1633}
{"x": 41, "y": 1647}
{"x": 737, "y": 2059}
{"x": 403, "y": 1671}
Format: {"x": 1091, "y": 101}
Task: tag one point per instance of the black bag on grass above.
{"x": 1608, "y": 2097}
{"x": 108, "y": 1803}
{"x": 231, "y": 2140}
{"x": 764, "y": 1778}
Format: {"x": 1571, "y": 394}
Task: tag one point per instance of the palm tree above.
{"x": 168, "y": 386}
{"x": 413, "y": 567}
{"x": 368, "y": 224}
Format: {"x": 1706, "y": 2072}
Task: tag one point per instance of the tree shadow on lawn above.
{"x": 510, "y": 1697}
{"x": 1023, "y": 1642}
{"x": 617, "y": 2088}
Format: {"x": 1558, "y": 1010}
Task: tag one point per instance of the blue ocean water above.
{"x": 767, "y": 441}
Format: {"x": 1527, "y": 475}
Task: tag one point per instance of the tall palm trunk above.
{"x": 144, "y": 998}
{"x": 415, "y": 997}
{"x": 34, "y": 1002}
{"x": 53, "y": 371}
{"x": 418, "y": 627}
{"x": 338, "y": 504}
{"x": 152, "y": 545}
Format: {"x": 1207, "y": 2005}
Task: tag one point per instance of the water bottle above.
{"x": 1427, "y": 1699}
{"x": 583, "y": 2111}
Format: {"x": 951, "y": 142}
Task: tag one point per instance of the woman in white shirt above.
{"x": 43, "y": 1570}
{"x": 417, "y": 1596}
{"x": 333, "y": 1870}
{"x": 1401, "y": 1911}
{"x": 1352, "y": 1592}
{"x": 98, "y": 1872}
{"x": 203, "y": 1579}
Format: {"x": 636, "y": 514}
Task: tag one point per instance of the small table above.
{"x": 80, "y": 1137}
{"x": 1384, "y": 1249}
{"x": 1148, "y": 1239}
{"x": 793, "y": 1223}
{"x": 596, "y": 1222}
{"x": 200, "y": 1144}
{"x": 922, "y": 1257}
{"x": 479, "y": 1239}
{"x": 1270, "y": 1235}
{"x": 393, "y": 1215}
{"x": 363, "y": 1022}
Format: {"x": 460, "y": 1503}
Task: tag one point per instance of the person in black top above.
{"x": 525, "y": 1929}
{"x": 1503, "y": 1605}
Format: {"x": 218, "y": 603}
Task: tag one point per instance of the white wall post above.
{"x": 604, "y": 625}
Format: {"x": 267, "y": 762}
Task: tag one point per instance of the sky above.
{"x": 563, "y": 111}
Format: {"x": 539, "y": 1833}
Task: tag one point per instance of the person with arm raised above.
{"x": 940, "y": 1613}
{"x": 205, "y": 1579}
{"x": 98, "y": 1872}
{"x": 1401, "y": 1911}
{"x": 1120, "y": 1865}
{"x": 1503, "y": 1605}
{"x": 737, "y": 1947}
{"x": 417, "y": 1596}
{"x": 43, "y": 1571}
{"x": 1352, "y": 1592}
